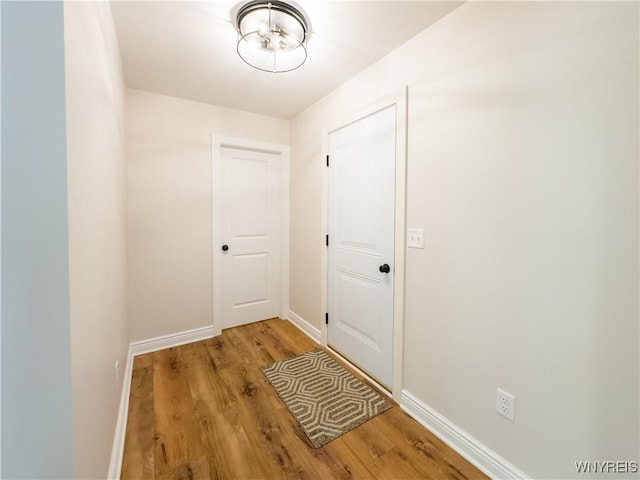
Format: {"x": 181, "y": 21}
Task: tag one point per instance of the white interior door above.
{"x": 361, "y": 242}
{"x": 250, "y": 210}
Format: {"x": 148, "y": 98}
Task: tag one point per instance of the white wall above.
{"x": 97, "y": 230}
{"x": 36, "y": 375}
{"x": 523, "y": 171}
{"x": 169, "y": 206}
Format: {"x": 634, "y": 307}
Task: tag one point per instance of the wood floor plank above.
{"x": 395, "y": 464}
{"x": 293, "y": 336}
{"x": 143, "y": 361}
{"x": 222, "y": 434}
{"x": 178, "y": 438}
{"x": 203, "y": 377}
{"x": 427, "y": 452}
{"x": 194, "y": 470}
{"x": 138, "y": 459}
{"x": 368, "y": 442}
{"x": 334, "y": 460}
{"x": 205, "y": 410}
{"x": 344, "y": 463}
{"x": 275, "y": 344}
{"x": 218, "y": 348}
{"x": 263, "y": 426}
{"x": 251, "y": 345}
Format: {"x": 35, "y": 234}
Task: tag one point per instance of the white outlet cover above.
{"x": 505, "y": 404}
{"x": 415, "y": 238}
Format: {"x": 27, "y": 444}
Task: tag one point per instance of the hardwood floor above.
{"x": 205, "y": 411}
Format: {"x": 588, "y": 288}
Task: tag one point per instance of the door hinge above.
{"x": 327, "y": 160}
{"x": 326, "y": 318}
{"x": 326, "y": 239}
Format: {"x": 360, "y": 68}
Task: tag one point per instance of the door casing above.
{"x": 218, "y": 143}
{"x": 399, "y": 99}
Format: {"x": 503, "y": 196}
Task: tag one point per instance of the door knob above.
{"x": 385, "y": 268}
{"x": 225, "y": 248}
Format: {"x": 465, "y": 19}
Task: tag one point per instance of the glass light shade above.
{"x": 272, "y": 36}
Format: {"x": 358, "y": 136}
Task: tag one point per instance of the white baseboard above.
{"x": 474, "y": 451}
{"x": 305, "y": 326}
{"x": 117, "y": 451}
{"x": 139, "y": 348}
{"x": 173, "y": 340}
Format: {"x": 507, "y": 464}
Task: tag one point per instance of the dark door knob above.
{"x": 225, "y": 248}
{"x": 385, "y": 268}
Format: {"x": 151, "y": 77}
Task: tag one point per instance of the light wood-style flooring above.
{"x": 205, "y": 411}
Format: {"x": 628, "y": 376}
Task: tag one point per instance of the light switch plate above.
{"x": 415, "y": 238}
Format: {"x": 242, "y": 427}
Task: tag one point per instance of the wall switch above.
{"x": 415, "y": 238}
{"x": 505, "y": 404}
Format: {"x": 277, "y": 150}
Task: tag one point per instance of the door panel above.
{"x": 361, "y": 233}
{"x": 250, "y": 279}
{"x": 251, "y": 227}
{"x": 250, "y": 196}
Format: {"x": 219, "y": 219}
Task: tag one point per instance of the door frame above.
{"x": 399, "y": 99}
{"x": 218, "y": 142}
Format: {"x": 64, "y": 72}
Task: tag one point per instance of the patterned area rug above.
{"x": 325, "y": 399}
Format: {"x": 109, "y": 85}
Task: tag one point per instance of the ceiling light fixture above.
{"x": 272, "y": 35}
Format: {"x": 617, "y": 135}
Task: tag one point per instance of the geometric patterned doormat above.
{"x": 325, "y": 399}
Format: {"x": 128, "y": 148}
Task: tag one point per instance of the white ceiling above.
{"x": 188, "y": 49}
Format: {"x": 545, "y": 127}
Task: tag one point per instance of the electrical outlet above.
{"x": 415, "y": 238}
{"x": 117, "y": 368}
{"x": 505, "y": 404}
